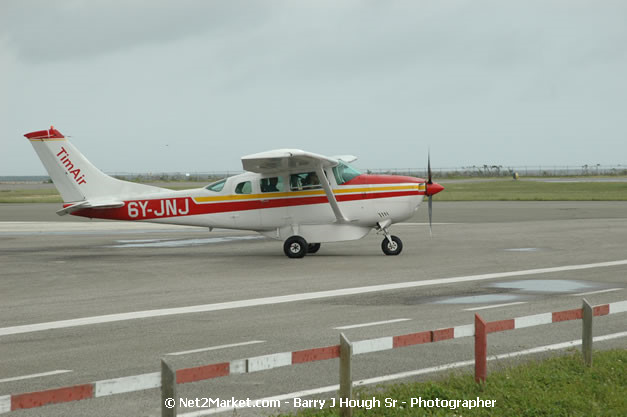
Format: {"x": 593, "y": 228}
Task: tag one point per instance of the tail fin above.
{"x": 74, "y": 176}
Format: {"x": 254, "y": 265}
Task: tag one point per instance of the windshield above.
{"x": 216, "y": 186}
{"x": 344, "y": 173}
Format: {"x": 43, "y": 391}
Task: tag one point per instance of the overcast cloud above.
{"x": 145, "y": 86}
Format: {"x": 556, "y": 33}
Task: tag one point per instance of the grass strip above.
{"x": 510, "y": 190}
{"x": 38, "y": 195}
{"x": 556, "y": 387}
{"x": 497, "y": 190}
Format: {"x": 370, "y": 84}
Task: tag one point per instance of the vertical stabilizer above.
{"x": 74, "y": 176}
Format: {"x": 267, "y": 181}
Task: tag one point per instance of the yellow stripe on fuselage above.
{"x": 418, "y": 187}
{"x": 236, "y": 197}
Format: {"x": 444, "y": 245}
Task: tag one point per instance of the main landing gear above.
{"x": 313, "y": 247}
{"x": 297, "y": 247}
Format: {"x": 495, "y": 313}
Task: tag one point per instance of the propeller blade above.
{"x": 430, "y": 215}
{"x": 429, "y": 180}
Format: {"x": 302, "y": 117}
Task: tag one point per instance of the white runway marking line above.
{"x": 165, "y": 243}
{"x": 400, "y": 375}
{"x": 71, "y": 228}
{"x": 374, "y": 323}
{"x": 254, "y": 302}
{"x": 19, "y": 378}
{"x": 495, "y": 306}
{"x": 596, "y": 292}
{"x": 422, "y": 224}
{"x": 185, "y": 352}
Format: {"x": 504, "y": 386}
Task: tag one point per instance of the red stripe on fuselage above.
{"x": 369, "y": 179}
{"x": 186, "y": 206}
{"x": 370, "y": 196}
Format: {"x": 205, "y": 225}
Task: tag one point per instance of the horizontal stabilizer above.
{"x": 86, "y": 204}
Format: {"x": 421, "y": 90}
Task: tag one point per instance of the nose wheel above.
{"x": 392, "y": 245}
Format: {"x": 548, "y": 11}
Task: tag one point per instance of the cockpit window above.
{"x": 216, "y": 186}
{"x": 344, "y": 173}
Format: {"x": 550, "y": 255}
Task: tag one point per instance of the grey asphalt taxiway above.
{"x": 198, "y": 297}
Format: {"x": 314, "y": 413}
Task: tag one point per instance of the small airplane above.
{"x": 301, "y": 198}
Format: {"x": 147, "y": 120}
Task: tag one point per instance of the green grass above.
{"x": 559, "y": 386}
{"x": 510, "y": 190}
{"x": 495, "y": 190}
{"x": 43, "y": 195}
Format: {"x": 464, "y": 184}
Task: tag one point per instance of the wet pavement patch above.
{"x": 481, "y": 299}
{"x": 547, "y": 285}
{"x": 519, "y": 290}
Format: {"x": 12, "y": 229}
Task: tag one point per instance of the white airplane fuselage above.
{"x": 279, "y": 214}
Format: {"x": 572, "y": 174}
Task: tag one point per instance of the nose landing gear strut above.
{"x": 391, "y": 245}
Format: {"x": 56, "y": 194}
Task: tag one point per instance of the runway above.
{"x": 122, "y": 296}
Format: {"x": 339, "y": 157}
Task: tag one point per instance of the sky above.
{"x": 191, "y": 86}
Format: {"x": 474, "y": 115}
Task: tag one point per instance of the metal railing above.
{"x": 168, "y": 379}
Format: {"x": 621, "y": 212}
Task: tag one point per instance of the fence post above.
{"x": 346, "y": 376}
{"x": 481, "y": 349}
{"x": 586, "y": 333}
{"x": 168, "y": 390}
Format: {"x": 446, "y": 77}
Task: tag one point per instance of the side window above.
{"x": 272, "y": 184}
{"x": 216, "y": 186}
{"x": 304, "y": 181}
{"x": 244, "y": 188}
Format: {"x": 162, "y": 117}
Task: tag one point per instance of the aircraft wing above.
{"x": 282, "y": 160}
{"x": 346, "y": 158}
{"x": 285, "y": 160}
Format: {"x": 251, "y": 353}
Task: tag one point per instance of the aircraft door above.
{"x": 247, "y": 217}
{"x": 274, "y": 212}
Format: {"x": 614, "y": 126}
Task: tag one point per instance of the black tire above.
{"x": 313, "y": 248}
{"x": 393, "y": 248}
{"x": 295, "y": 247}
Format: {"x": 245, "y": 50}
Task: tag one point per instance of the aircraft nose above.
{"x": 434, "y": 188}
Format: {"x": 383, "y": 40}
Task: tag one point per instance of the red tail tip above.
{"x": 51, "y": 133}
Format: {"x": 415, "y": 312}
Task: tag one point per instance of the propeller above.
{"x": 431, "y": 189}
{"x": 429, "y": 182}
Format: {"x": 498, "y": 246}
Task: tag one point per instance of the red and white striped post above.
{"x": 481, "y": 349}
